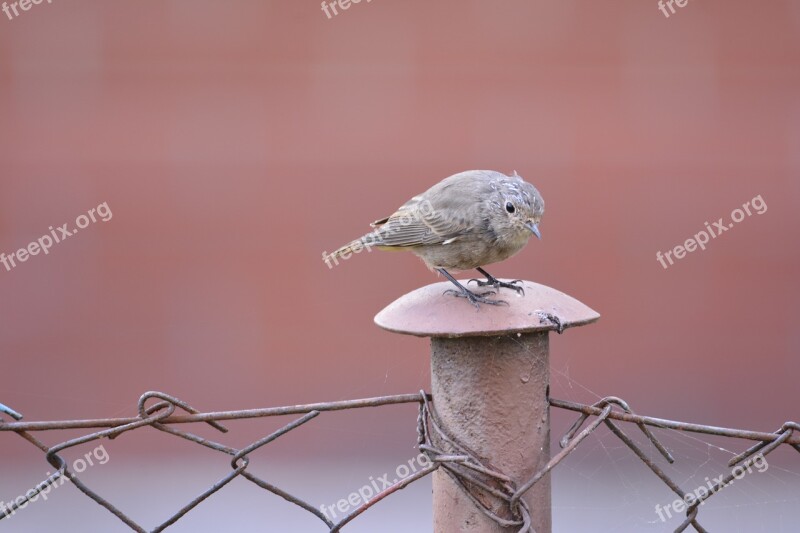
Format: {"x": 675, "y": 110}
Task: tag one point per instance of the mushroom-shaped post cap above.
{"x": 426, "y": 312}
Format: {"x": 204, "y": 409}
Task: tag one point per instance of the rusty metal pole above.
{"x": 490, "y": 382}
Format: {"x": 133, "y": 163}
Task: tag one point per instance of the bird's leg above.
{"x": 497, "y": 284}
{"x": 474, "y": 298}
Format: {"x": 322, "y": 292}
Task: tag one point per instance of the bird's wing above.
{"x": 419, "y": 223}
{"x": 409, "y": 206}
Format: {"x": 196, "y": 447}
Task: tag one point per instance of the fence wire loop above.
{"x": 613, "y": 400}
{"x": 492, "y": 491}
{"x": 785, "y": 433}
{"x": 176, "y": 402}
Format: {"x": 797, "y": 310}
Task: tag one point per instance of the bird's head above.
{"x": 521, "y": 205}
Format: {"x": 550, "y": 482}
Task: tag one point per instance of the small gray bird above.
{"x": 466, "y": 221}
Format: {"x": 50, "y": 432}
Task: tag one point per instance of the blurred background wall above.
{"x": 234, "y": 142}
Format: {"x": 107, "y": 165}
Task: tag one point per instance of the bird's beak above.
{"x": 534, "y": 228}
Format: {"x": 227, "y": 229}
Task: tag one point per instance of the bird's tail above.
{"x": 367, "y": 242}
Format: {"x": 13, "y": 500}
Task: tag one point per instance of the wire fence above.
{"x": 493, "y": 492}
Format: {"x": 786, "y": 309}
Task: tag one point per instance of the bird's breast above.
{"x": 469, "y": 252}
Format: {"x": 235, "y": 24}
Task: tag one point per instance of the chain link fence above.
{"x": 494, "y": 493}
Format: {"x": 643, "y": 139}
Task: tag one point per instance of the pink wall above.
{"x": 234, "y": 142}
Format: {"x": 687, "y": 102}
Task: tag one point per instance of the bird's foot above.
{"x": 553, "y": 319}
{"x": 476, "y": 298}
{"x": 497, "y": 284}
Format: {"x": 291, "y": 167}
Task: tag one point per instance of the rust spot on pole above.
{"x": 490, "y": 382}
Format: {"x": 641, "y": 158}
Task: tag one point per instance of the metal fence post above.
{"x": 490, "y": 383}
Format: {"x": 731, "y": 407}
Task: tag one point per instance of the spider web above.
{"x": 603, "y": 486}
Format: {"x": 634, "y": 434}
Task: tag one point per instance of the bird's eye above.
{"x": 510, "y": 207}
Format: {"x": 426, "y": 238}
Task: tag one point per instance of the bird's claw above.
{"x": 476, "y": 299}
{"x": 497, "y": 284}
